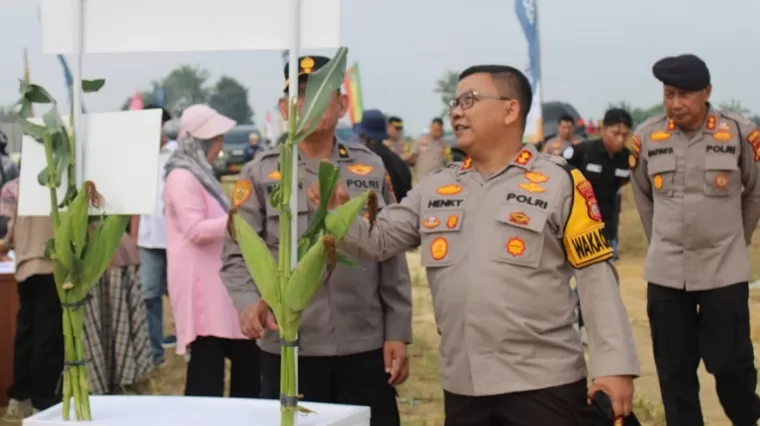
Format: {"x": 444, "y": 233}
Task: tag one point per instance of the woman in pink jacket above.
{"x": 196, "y": 218}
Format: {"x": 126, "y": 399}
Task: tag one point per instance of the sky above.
{"x": 593, "y": 52}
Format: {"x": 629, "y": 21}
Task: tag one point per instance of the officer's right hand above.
{"x": 255, "y": 318}
{"x": 339, "y": 197}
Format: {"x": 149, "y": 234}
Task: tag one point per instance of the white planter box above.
{"x": 193, "y": 411}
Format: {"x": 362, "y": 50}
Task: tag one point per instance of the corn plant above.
{"x": 289, "y": 291}
{"x": 82, "y": 246}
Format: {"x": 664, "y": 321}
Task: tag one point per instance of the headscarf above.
{"x": 190, "y": 156}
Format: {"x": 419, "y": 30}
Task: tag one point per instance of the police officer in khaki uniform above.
{"x": 564, "y": 139}
{"x": 695, "y": 182}
{"x": 502, "y": 233}
{"x": 395, "y": 140}
{"x": 354, "y": 334}
{"x": 430, "y": 152}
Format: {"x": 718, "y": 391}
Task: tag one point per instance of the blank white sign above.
{"x": 126, "y": 26}
{"x": 121, "y": 158}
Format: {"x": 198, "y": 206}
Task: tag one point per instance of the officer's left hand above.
{"x": 620, "y": 391}
{"x": 396, "y": 362}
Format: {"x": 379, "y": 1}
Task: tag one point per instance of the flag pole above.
{"x": 295, "y": 41}
{"x": 76, "y": 113}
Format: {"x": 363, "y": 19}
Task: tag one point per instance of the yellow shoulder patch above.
{"x": 584, "y": 240}
{"x": 241, "y": 192}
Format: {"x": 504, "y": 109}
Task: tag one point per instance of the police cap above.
{"x": 685, "y": 72}
{"x": 306, "y": 66}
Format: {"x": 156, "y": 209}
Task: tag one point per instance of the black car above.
{"x": 232, "y": 158}
{"x": 552, "y": 111}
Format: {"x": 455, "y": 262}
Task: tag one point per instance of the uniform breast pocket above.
{"x": 662, "y": 171}
{"x": 519, "y": 236}
{"x": 722, "y": 176}
{"x": 441, "y": 237}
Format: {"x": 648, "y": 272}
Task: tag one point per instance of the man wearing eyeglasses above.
{"x": 502, "y": 233}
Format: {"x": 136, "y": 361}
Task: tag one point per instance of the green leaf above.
{"x": 340, "y": 220}
{"x": 61, "y": 160}
{"x": 53, "y": 120}
{"x": 78, "y": 211}
{"x": 306, "y": 278}
{"x": 62, "y": 234}
{"x": 60, "y": 274}
{"x": 260, "y": 262}
{"x": 329, "y": 176}
{"x": 34, "y": 130}
{"x": 275, "y": 198}
{"x": 49, "y": 252}
{"x": 102, "y": 244}
{"x": 320, "y": 86}
{"x": 37, "y": 94}
{"x": 92, "y": 86}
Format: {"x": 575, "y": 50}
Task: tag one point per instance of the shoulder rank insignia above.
{"x": 342, "y": 152}
{"x": 711, "y": 122}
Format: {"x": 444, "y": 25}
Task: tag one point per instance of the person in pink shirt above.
{"x": 196, "y": 218}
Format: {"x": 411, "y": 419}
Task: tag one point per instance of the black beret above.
{"x": 306, "y": 66}
{"x": 685, "y": 72}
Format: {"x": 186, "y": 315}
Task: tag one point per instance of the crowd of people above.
{"x": 500, "y": 234}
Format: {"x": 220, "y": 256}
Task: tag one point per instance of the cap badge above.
{"x": 307, "y": 65}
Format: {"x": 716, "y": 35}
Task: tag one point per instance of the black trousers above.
{"x": 563, "y": 405}
{"x": 713, "y": 326}
{"x": 358, "y": 379}
{"x": 38, "y": 345}
{"x": 205, "y": 371}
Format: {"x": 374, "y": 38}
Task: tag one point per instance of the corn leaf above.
{"x": 260, "y": 262}
{"x": 329, "y": 176}
{"x": 320, "y": 86}
{"x": 31, "y": 129}
{"x": 62, "y": 234}
{"x": 53, "y": 120}
{"x": 92, "y": 86}
{"x": 344, "y": 259}
{"x": 306, "y": 278}
{"x": 340, "y": 220}
{"x": 78, "y": 211}
{"x": 60, "y": 274}
{"x": 102, "y": 244}
{"x": 61, "y": 159}
{"x": 36, "y": 94}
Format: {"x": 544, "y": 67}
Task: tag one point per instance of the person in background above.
{"x": 372, "y": 132}
{"x": 430, "y": 152}
{"x": 565, "y": 137}
{"x": 38, "y": 345}
{"x": 8, "y": 172}
{"x": 151, "y": 240}
{"x": 604, "y": 162}
{"x": 395, "y": 140}
{"x": 253, "y": 147}
{"x": 196, "y": 221}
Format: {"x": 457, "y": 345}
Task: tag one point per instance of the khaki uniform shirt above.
{"x": 556, "y": 146}
{"x": 359, "y": 308}
{"x": 430, "y": 155}
{"x": 29, "y": 235}
{"x": 397, "y": 146}
{"x": 699, "y": 199}
{"x": 500, "y": 252}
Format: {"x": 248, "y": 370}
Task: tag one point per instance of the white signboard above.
{"x": 112, "y": 26}
{"x": 121, "y": 159}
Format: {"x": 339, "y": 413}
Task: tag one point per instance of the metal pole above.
{"x": 76, "y": 106}
{"x": 295, "y": 41}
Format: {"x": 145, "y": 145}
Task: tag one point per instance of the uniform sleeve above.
{"x": 611, "y": 344}
{"x": 234, "y": 272}
{"x": 396, "y": 230}
{"x": 640, "y": 184}
{"x": 395, "y": 287}
{"x": 750, "y": 155}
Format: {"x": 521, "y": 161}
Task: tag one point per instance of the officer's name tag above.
{"x": 596, "y": 168}
{"x": 622, "y": 173}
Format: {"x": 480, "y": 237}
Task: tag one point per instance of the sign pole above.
{"x": 76, "y": 90}
{"x": 295, "y": 41}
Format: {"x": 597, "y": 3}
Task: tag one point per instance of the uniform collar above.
{"x": 524, "y": 160}
{"x": 339, "y": 153}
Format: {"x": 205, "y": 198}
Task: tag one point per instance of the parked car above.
{"x": 552, "y": 111}
{"x": 232, "y": 159}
